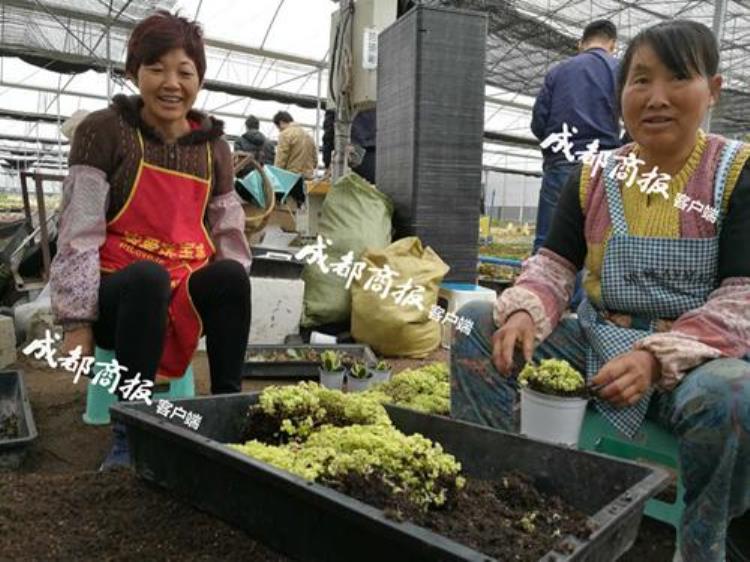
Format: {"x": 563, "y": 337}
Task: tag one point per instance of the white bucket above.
{"x": 554, "y": 419}
{"x": 379, "y": 377}
{"x": 332, "y": 380}
{"x": 354, "y": 384}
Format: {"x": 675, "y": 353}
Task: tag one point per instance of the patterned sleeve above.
{"x": 543, "y": 290}
{"x": 74, "y": 272}
{"x": 226, "y": 218}
{"x": 719, "y": 328}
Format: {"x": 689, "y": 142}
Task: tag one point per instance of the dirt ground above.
{"x": 58, "y": 507}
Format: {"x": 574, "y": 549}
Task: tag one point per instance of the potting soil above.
{"x": 507, "y": 519}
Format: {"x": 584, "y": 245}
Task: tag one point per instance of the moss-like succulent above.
{"x": 411, "y": 465}
{"x": 553, "y": 376}
{"x": 426, "y": 389}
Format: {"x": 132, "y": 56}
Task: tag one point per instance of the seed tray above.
{"x": 297, "y": 369}
{"x": 15, "y": 402}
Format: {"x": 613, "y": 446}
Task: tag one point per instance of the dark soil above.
{"x": 267, "y": 428}
{"x": 110, "y": 516}
{"x": 8, "y": 426}
{"x": 508, "y": 519}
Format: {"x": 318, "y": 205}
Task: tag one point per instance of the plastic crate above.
{"x": 14, "y": 400}
{"x": 311, "y": 522}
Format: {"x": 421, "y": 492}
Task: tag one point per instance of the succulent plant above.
{"x": 359, "y": 370}
{"x": 382, "y": 365}
{"x": 331, "y": 361}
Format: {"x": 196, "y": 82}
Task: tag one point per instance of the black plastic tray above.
{"x": 297, "y": 370}
{"x": 311, "y": 522}
{"x": 279, "y": 264}
{"x": 14, "y": 400}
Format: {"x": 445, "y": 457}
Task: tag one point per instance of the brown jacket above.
{"x": 296, "y": 151}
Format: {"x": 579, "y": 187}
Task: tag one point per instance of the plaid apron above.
{"x": 631, "y": 283}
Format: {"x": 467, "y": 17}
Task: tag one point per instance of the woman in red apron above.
{"x": 152, "y": 252}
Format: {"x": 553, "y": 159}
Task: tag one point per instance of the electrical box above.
{"x": 369, "y": 19}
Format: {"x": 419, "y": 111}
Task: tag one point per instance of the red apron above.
{"x": 162, "y": 221}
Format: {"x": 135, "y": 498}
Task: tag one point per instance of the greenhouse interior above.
{"x": 367, "y": 280}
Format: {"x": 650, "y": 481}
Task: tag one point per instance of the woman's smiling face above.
{"x": 168, "y": 87}
{"x": 662, "y": 111}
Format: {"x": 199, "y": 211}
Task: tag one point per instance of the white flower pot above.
{"x": 357, "y": 385}
{"x": 554, "y": 419}
{"x": 379, "y": 376}
{"x": 332, "y": 379}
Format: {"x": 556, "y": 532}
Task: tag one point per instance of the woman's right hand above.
{"x": 518, "y": 331}
{"x": 83, "y": 337}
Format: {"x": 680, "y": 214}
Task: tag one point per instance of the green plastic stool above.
{"x": 653, "y": 443}
{"x": 98, "y": 398}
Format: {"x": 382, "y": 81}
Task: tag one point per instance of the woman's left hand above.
{"x": 626, "y": 378}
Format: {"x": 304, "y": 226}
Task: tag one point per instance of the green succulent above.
{"x": 382, "y": 365}
{"x": 331, "y": 361}
{"x": 359, "y": 370}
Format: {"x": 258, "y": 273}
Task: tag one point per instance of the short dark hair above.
{"x": 604, "y": 29}
{"x": 685, "y": 47}
{"x": 252, "y": 123}
{"x": 161, "y": 32}
{"x": 282, "y": 116}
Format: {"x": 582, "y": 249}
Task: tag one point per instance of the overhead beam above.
{"x": 21, "y": 138}
{"x": 101, "y": 97}
{"x": 68, "y": 12}
{"x": 513, "y": 171}
{"x": 508, "y": 103}
{"x": 82, "y": 63}
{"x": 496, "y": 137}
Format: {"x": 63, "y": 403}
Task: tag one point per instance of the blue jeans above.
{"x": 555, "y": 176}
{"x": 709, "y": 412}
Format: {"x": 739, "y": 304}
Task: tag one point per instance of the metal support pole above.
{"x": 343, "y": 71}
{"x": 720, "y": 12}
{"x": 38, "y": 182}
{"x": 317, "y": 109}
{"x": 25, "y": 196}
{"x": 109, "y": 56}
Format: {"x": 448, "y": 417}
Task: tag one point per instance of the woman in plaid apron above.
{"x": 664, "y": 330}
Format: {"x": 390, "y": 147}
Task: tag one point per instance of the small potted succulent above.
{"x": 359, "y": 378}
{"x": 553, "y": 401}
{"x": 381, "y": 372}
{"x": 332, "y": 371}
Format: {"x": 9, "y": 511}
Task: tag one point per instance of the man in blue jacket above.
{"x": 578, "y": 96}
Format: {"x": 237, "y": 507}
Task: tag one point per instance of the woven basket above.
{"x": 255, "y": 217}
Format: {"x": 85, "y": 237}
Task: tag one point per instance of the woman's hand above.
{"x": 626, "y": 378}
{"x": 518, "y": 331}
{"x": 83, "y": 337}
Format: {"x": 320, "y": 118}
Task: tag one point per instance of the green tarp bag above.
{"x": 355, "y": 216}
{"x": 385, "y": 317}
